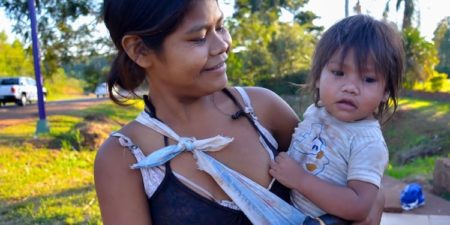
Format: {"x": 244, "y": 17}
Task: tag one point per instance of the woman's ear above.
{"x": 136, "y": 50}
{"x": 385, "y": 97}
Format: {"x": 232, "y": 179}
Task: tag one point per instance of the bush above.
{"x": 437, "y": 81}
{"x": 286, "y": 85}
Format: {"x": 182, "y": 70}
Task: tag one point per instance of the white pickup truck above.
{"x": 20, "y": 90}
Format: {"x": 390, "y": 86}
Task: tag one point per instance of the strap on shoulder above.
{"x": 247, "y": 112}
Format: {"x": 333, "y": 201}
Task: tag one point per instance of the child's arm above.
{"x": 351, "y": 202}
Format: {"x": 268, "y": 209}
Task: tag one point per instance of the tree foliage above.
{"x": 421, "y": 57}
{"x": 266, "y": 47}
{"x": 62, "y": 37}
{"x": 442, "y": 42}
{"x": 14, "y": 59}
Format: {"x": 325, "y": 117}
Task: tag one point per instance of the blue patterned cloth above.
{"x": 412, "y": 196}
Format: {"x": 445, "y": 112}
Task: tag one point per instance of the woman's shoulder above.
{"x": 256, "y": 93}
{"x": 265, "y": 102}
{"x": 113, "y": 150}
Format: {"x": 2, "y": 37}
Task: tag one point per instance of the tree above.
{"x": 14, "y": 59}
{"x": 421, "y": 57}
{"x": 271, "y": 10}
{"x": 264, "y": 46}
{"x": 442, "y": 43}
{"x": 268, "y": 50}
{"x": 408, "y": 12}
{"x": 62, "y": 37}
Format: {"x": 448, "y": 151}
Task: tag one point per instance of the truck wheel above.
{"x": 22, "y": 101}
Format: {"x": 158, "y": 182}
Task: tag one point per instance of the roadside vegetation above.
{"x": 48, "y": 181}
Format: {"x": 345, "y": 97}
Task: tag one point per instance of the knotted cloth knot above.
{"x": 186, "y": 144}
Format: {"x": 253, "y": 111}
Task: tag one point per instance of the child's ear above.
{"x": 136, "y": 50}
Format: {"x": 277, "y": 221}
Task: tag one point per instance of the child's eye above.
{"x": 337, "y": 73}
{"x": 369, "y": 80}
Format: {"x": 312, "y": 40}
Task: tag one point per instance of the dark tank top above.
{"x": 173, "y": 203}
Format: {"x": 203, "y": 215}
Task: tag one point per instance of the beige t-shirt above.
{"x": 337, "y": 152}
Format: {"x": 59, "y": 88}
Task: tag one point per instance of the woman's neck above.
{"x": 174, "y": 109}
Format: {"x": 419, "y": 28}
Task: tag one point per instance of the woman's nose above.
{"x": 221, "y": 43}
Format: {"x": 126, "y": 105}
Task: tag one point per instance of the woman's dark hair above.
{"x": 152, "y": 20}
{"x": 368, "y": 39}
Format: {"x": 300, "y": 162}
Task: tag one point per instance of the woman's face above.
{"x": 192, "y": 61}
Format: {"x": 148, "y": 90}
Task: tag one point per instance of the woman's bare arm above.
{"x": 119, "y": 189}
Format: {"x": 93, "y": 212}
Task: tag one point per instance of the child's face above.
{"x": 348, "y": 94}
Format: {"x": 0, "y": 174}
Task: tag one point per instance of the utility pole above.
{"x": 346, "y": 8}
{"x": 42, "y": 124}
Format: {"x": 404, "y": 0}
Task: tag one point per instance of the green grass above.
{"x": 45, "y": 182}
{"x": 40, "y": 186}
{"x": 419, "y": 167}
{"x": 418, "y": 124}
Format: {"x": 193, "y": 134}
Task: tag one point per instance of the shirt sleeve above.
{"x": 368, "y": 161}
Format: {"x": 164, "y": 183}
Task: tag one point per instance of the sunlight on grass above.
{"x": 26, "y": 130}
{"x": 42, "y": 172}
{"x": 56, "y": 187}
{"x": 61, "y": 124}
{"x": 121, "y": 114}
{"x": 414, "y": 104}
{"x": 420, "y": 166}
{"x": 410, "y": 103}
{"x": 43, "y": 186}
{"x": 74, "y": 206}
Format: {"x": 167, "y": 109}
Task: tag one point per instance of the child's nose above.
{"x": 351, "y": 88}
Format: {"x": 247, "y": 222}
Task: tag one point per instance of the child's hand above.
{"x": 287, "y": 171}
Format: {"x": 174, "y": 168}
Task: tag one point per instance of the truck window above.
{"x": 10, "y": 81}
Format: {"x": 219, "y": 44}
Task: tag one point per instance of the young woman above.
{"x": 179, "y": 49}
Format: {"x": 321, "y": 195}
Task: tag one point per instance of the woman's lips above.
{"x": 219, "y": 66}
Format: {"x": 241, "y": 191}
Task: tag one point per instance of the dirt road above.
{"x": 11, "y": 114}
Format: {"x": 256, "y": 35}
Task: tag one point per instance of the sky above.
{"x": 330, "y": 11}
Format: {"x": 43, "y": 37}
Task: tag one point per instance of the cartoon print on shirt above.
{"x": 311, "y": 148}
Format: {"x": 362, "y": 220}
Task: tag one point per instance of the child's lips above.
{"x": 346, "y": 105}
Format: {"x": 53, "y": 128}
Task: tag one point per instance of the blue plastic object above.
{"x": 412, "y": 196}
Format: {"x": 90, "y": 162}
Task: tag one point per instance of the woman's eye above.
{"x": 220, "y": 28}
{"x": 199, "y": 40}
{"x": 337, "y": 73}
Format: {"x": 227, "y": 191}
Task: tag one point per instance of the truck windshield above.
{"x": 9, "y": 81}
